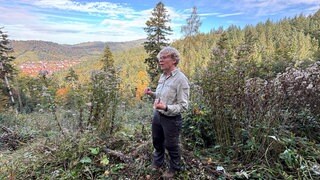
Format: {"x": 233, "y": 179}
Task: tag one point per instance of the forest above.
{"x": 253, "y": 113}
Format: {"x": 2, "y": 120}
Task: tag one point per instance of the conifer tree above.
{"x": 315, "y": 32}
{"x": 72, "y": 77}
{"x": 193, "y": 24}
{"x": 107, "y": 58}
{"x": 157, "y": 30}
{"x": 190, "y": 30}
{"x": 5, "y": 58}
{"x": 6, "y": 68}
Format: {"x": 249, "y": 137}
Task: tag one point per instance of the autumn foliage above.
{"x": 142, "y": 83}
{"x": 62, "y": 93}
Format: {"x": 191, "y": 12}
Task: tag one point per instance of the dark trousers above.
{"x": 165, "y": 135}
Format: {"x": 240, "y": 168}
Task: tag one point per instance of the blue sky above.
{"x": 76, "y": 21}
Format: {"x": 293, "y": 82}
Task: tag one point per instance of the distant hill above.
{"x": 33, "y": 50}
{"x": 33, "y": 56}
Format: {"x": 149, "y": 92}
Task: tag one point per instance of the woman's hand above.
{"x": 158, "y": 104}
{"x": 148, "y": 91}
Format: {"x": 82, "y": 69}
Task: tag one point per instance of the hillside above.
{"x": 32, "y": 56}
{"x": 33, "y": 50}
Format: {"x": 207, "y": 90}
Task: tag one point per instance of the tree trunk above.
{"x": 9, "y": 89}
{"x": 10, "y": 92}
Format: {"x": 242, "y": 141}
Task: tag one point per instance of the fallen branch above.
{"x": 7, "y": 130}
{"x": 11, "y": 139}
{"x": 119, "y": 155}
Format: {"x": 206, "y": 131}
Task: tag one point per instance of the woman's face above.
{"x": 166, "y": 62}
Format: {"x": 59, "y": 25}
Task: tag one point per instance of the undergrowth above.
{"x": 48, "y": 154}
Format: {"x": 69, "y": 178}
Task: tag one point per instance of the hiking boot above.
{"x": 169, "y": 174}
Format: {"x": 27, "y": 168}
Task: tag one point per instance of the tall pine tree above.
{"x": 193, "y": 24}
{"x": 190, "y": 30}
{"x": 107, "y": 58}
{"x": 156, "y": 30}
{"x": 6, "y": 68}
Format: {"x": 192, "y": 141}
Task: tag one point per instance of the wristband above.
{"x": 166, "y": 108}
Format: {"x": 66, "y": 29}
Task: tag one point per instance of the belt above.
{"x": 161, "y": 114}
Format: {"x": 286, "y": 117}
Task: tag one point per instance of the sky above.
{"x": 77, "y": 21}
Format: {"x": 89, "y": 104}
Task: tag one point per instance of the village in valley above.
{"x": 34, "y": 68}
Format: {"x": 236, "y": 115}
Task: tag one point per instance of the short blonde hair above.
{"x": 174, "y": 53}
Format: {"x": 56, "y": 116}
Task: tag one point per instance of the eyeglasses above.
{"x": 165, "y": 57}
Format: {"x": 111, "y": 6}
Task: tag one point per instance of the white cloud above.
{"x": 314, "y": 8}
{"x": 104, "y": 21}
{"x": 231, "y": 14}
{"x": 18, "y": 16}
{"x": 208, "y": 14}
{"x": 81, "y": 33}
{"x": 121, "y": 21}
{"x": 268, "y": 7}
{"x": 124, "y": 24}
{"x": 40, "y": 20}
{"x": 111, "y": 9}
{"x": 68, "y": 21}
